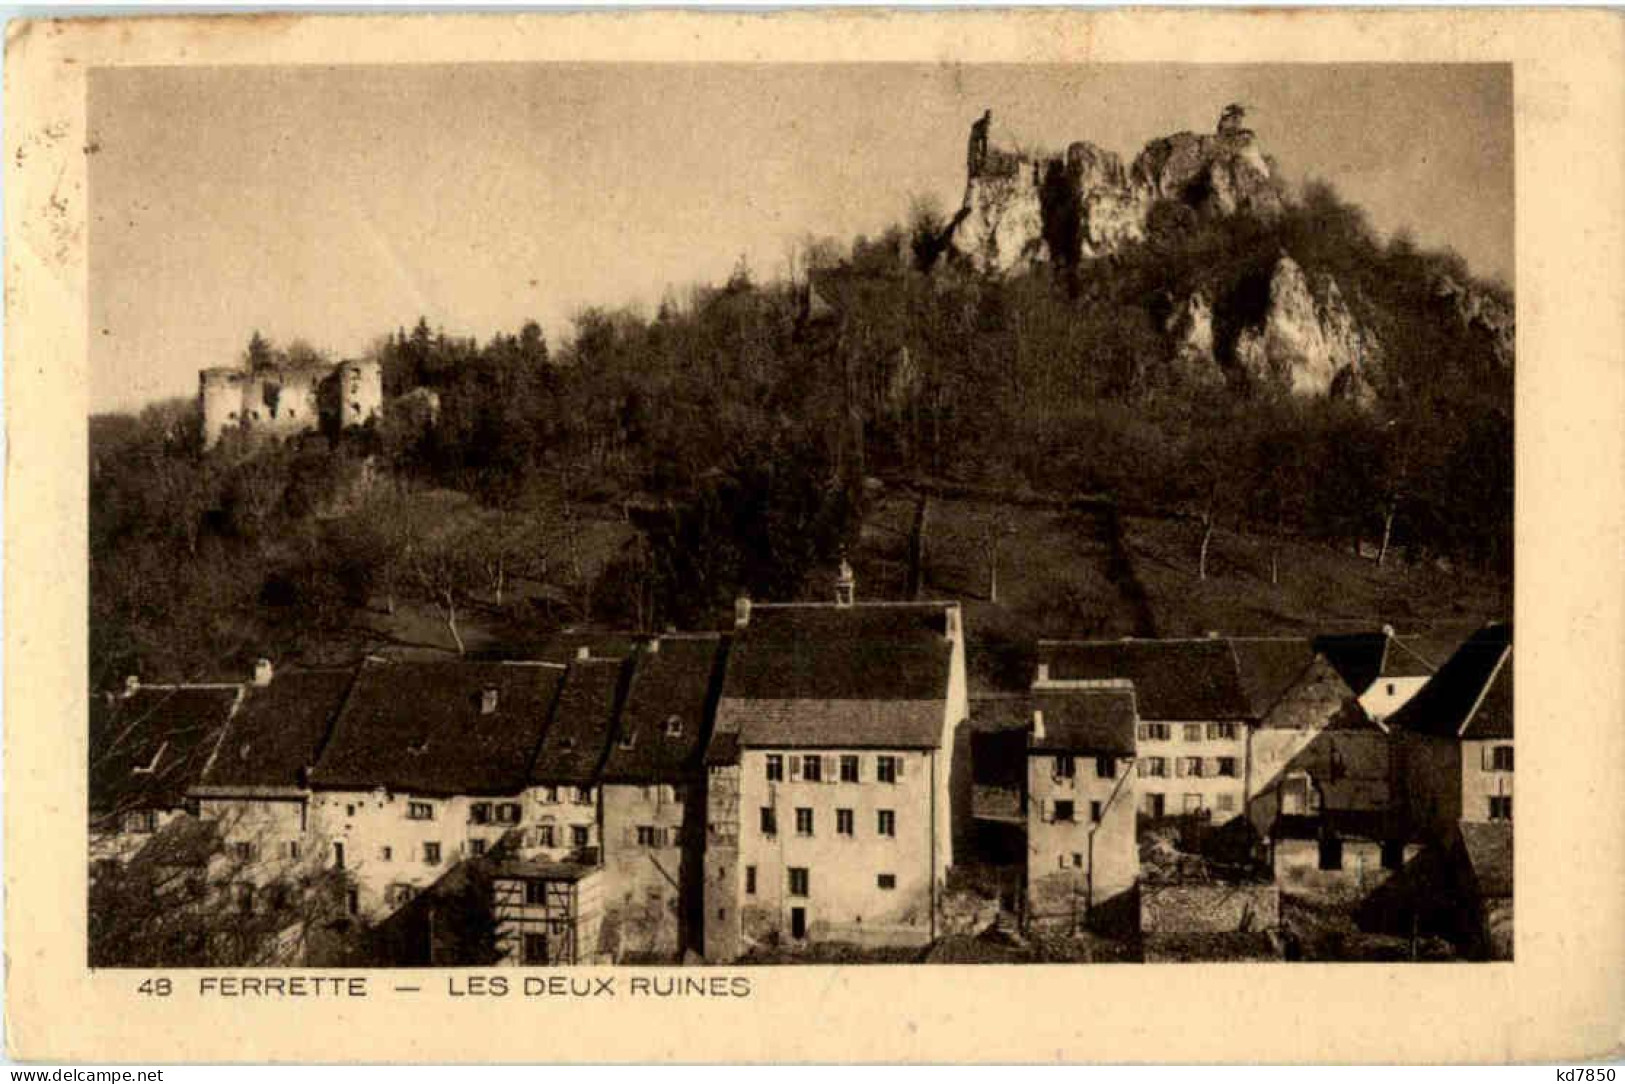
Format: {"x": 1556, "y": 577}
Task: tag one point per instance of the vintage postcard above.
{"x": 815, "y": 536}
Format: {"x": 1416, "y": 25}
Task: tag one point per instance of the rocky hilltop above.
{"x": 1296, "y": 331}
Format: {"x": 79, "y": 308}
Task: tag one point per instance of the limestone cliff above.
{"x": 1022, "y": 208}
{"x": 1307, "y": 340}
{"x": 1480, "y": 313}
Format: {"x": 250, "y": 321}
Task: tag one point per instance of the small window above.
{"x": 1095, "y": 811}
{"x": 1226, "y": 802}
{"x": 1331, "y": 853}
{"x": 804, "y": 821}
{"x": 1391, "y": 688}
{"x": 1227, "y": 767}
{"x": 1502, "y": 758}
{"x": 1155, "y": 732}
{"x": 431, "y": 854}
{"x": 843, "y": 822}
{"x": 886, "y": 769}
{"x": 1193, "y": 803}
{"x": 548, "y": 796}
{"x": 886, "y": 882}
{"x": 352, "y": 901}
{"x": 579, "y": 835}
{"x": 480, "y": 812}
{"x": 886, "y": 822}
{"x": 812, "y": 768}
{"x": 648, "y": 836}
{"x": 349, "y": 809}
{"x": 1501, "y": 807}
{"x": 750, "y": 880}
{"x": 293, "y": 849}
{"x": 775, "y": 768}
{"x": 243, "y": 852}
{"x": 629, "y": 739}
{"x": 1065, "y": 767}
{"x": 536, "y": 893}
{"x": 1077, "y": 860}
{"x": 1193, "y": 732}
{"x": 544, "y": 835}
{"x": 583, "y": 796}
{"x": 770, "y": 821}
{"x": 386, "y": 854}
{"x": 849, "y": 769}
{"x": 674, "y": 726}
{"x": 1064, "y": 811}
{"x": 507, "y": 812}
{"x": 419, "y": 811}
{"x": 800, "y": 881}
{"x": 476, "y": 847}
{"x": 1106, "y": 767}
{"x": 1393, "y": 854}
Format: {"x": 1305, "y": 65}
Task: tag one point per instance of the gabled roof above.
{"x": 662, "y": 729}
{"x": 1317, "y": 699}
{"x": 148, "y": 746}
{"x": 563, "y": 647}
{"x": 1471, "y": 695}
{"x": 583, "y": 719}
{"x": 1268, "y": 667}
{"x": 1174, "y": 680}
{"x": 277, "y": 731}
{"x": 420, "y": 728}
{"x": 1488, "y": 849}
{"x": 870, "y": 676}
{"x": 1093, "y": 721}
{"x": 1364, "y": 657}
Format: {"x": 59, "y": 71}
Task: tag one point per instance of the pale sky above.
{"x": 335, "y": 204}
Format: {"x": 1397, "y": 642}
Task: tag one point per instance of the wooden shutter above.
{"x": 795, "y": 767}
{"x": 899, "y": 761}
{"x": 1489, "y": 757}
{"x": 1179, "y": 767}
{"x": 832, "y": 769}
{"x": 1046, "y": 810}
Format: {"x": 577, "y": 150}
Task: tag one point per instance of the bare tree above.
{"x": 995, "y": 530}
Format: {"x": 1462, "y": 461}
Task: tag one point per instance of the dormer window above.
{"x": 488, "y": 701}
{"x": 629, "y": 739}
{"x": 674, "y": 726}
{"x": 152, "y": 764}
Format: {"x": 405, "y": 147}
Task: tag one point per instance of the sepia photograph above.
{"x": 552, "y": 514}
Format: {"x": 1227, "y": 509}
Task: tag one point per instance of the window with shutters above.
{"x": 1106, "y": 767}
{"x": 1155, "y": 732}
{"x": 1221, "y": 731}
{"x": 507, "y": 812}
{"x": 800, "y": 881}
{"x": 770, "y": 821}
{"x": 1501, "y": 758}
{"x": 1154, "y": 767}
{"x": 812, "y": 768}
{"x": 544, "y": 835}
{"x": 1500, "y": 807}
{"x": 849, "y": 769}
{"x": 476, "y": 847}
{"x": 480, "y": 813}
{"x": 775, "y": 768}
{"x": 583, "y": 796}
{"x": 1193, "y": 731}
{"x": 548, "y": 796}
{"x": 1065, "y": 766}
{"x": 886, "y": 769}
{"x": 804, "y": 821}
{"x": 843, "y": 822}
{"x": 886, "y": 822}
{"x": 648, "y": 836}
{"x": 419, "y": 811}
{"x": 1153, "y": 805}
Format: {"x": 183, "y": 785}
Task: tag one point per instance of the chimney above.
{"x": 1388, "y": 631}
{"x": 741, "y": 611}
{"x": 131, "y": 685}
{"x": 262, "y": 672}
{"x": 654, "y": 645}
{"x": 583, "y": 652}
{"x": 951, "y": 628}
{"x": 488, "y": 701}
{"x": 1212, "y": 634}
{"x": 1038, "y": 724}
{"x": 846, "y": 585}
{"x": 1043, "y": 674}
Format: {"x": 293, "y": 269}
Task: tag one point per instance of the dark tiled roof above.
{"x": 1476, "y": 677}
{"x": 1318, "y": 698}
{"x": 566, "y": 646}
{"x": 418, "y": 727}
{"x": 278, "y": 730}
{"x": 997, "y": 713}
{"x": 869, "y": 676}
{"x": 1363, "y": 657}
{"x": 1488, "y": 847}
{"x": 1174, "y": 680}
{"x": 186, "y": 842}
{"x": 1268, "y": 667}
{"x": 583, "y": 720}
{"x": 676, "y": 684}
{"x": 1085, "y": 721}
{"x": 537, "y": 870}
{"x": 169, "y": 729}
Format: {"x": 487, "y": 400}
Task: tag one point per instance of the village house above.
{"x": 1383, "y": 668}
{"x": 253, "y": 787}
{"x": 562, "y": 793}
{"x": 652, "y": 788}
{"x": 148, "y": 746}
{"x": 427, "y": 764}
{"x": 1082, "y": 847}
{"x": 546, "y": 914}
{"x": 829, "y": 773}
{"x": 1193, "y": 718}
{"x": 1482, "y": 860}
{"x": 1453, "y": 739}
